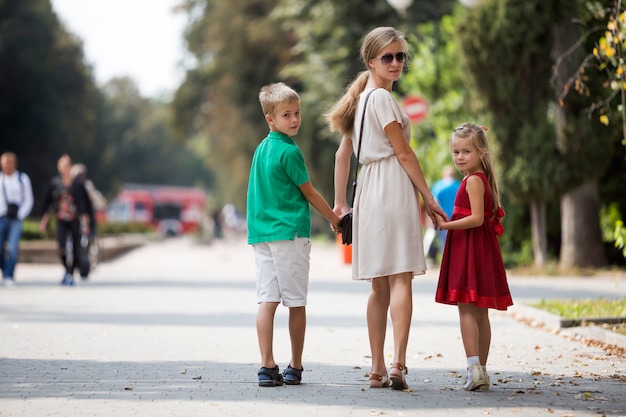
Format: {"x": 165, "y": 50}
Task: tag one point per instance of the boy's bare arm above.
{"x": 318, "y": 202}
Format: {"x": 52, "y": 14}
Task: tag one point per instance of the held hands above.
{"x": 441, "y": 223}
{"x": 436, "y": 213}
{"x": 335, "y": 226}
{"x": 340, "y": 210}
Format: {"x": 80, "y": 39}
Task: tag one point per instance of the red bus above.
{"x": 172, "y": 210}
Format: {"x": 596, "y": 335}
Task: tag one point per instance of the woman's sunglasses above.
{"x": 388, "y": 58}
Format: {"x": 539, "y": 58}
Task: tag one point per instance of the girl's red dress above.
{"x": 472, "y": 270}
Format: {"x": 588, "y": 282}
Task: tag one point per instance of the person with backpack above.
{"x": 16, "y": 203}
{"x": 69, "y": 200}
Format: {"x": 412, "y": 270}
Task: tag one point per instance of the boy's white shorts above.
{"x": 282, "y": 271}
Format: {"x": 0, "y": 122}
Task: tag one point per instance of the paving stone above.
{"x": 169, "y": 330}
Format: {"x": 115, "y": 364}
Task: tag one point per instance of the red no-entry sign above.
{"x": 415, "y": 107}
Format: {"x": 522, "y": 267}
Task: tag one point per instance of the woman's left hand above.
{"x": 431, "y": 208}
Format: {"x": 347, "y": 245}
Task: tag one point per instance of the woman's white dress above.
{"x": 387, "y": 232}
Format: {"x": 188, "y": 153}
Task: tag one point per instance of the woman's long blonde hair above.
{"x": 479, "y": 140}
{"x": 342, "y": 114}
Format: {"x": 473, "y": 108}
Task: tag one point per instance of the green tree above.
{"x": 135, "y": 143}
{"x": 329, "y": 35}
{"x": 238, "y": 48}
{"x": 312, "y": 45}
{"x": 584, "y": 144}
{"x": 48, "y": 98}
{"x": 510, "y": 65}
{"x": 434, "y": 73}
{"x": 604, "y": 49}
{"x": 551, "y": 150}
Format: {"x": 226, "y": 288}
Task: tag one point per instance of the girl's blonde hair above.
{"x": 479, "y": 140}
{"x": 342, "y": 114}
{"x": 272, "y": 95}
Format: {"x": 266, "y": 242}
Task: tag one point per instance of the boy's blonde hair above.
{"x": 274, "y": 94}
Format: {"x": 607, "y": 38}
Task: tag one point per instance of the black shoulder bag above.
{"x": 346, "y": 221}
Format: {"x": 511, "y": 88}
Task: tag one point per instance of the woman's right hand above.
{"x": 341, "y": 209}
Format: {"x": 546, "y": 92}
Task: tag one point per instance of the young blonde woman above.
{"x": 387, "y": 236}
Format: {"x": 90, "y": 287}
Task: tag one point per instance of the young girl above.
{"x": 472, "y": 274}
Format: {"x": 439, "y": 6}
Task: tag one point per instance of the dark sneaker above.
{"x": 270, "y": 377}
{"x": 292, "y": 376}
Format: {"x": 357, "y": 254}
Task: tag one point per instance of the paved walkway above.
{"x": 169, "y": 330}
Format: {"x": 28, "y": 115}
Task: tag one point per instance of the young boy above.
{"x": 279, "y": 230}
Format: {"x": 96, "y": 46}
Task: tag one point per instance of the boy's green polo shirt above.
{"x": 277, "y": 210}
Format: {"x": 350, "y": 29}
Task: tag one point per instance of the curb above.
{"x": 45, "y": 251}
{"x": 540, "y": 318}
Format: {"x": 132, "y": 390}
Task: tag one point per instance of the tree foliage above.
{"x": 511, "y": 66}
{"x": 237, "y": 49}
{"x": 50, "y": 105}
{"x": 135, "y": 143}
{"x": 313, "y": 45}
{"x": 47, "y": 94}
{"x": 603, "y": 44}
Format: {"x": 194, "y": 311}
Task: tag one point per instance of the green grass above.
{"x": 587, "y": 308}
{"x": 580, "y": 309}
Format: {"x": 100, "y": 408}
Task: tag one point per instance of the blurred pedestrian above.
{"x": 68, "y": 199}
{"x": 472, "y": 274}
{"x": 387, "y": 246}
{"x": 444, "y": 190}
{"x": 16, "y": 203}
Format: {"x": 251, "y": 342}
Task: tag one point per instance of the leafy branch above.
{"x": 609, "y": 55}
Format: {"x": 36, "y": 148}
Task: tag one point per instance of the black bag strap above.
{"x": 358, "y": 152}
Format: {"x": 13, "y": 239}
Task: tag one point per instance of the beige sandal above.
{"x": 379, "y": 381}
{"x": 398, "y": 378}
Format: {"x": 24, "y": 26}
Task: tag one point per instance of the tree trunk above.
{"x": 581, "y": 237}
{"x": 538, "y": 228}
